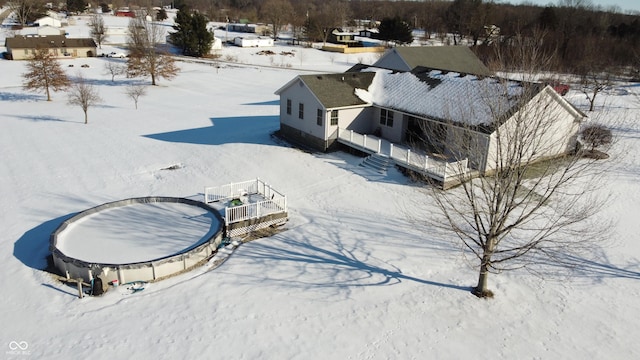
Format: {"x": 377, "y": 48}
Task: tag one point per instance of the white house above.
{"x": 438, "y": 114}
{"x": 253, "y": 41}
{"x": 48, "y": 20}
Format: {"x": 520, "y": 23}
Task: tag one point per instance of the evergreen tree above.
{"x": 76, "y": 6}
{"x": 191, "y": 36}
{"x": 395, "y": 29}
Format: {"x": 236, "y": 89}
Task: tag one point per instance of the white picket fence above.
{"x": 273, "y": 202}
{"x": 403, "y": 156}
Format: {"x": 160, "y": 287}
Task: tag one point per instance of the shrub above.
{"x": 596, "y": 136}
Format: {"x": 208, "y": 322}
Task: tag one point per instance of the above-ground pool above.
{"x": 138, "y": 239}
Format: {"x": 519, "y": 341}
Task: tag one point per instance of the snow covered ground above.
{"x": 351, "y": 277}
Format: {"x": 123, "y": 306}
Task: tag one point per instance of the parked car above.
{"x": 558, "y": 86}
{"x": 114, "y": 54}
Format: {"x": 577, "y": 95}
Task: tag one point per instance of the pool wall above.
{"x": 151, "y": 270}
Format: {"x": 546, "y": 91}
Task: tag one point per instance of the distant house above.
{"x": 23, "y": 47}
{"x": 380, "y": 111}
{"x": 48, "y": 20}
{"x": 340, "y": 37}
{"x": 42, "y": 30}
{"x": 125, "y": 13}
{"x": 368, "y": 33}
{"x": 260, "y": 29}
{"x": 452, "y": 58}
{"x": 253, "y": 41}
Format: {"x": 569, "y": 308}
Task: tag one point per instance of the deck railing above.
{"x": 274, "y": 202}
{"x": 254, "y": 210}
{"x": 403, "y": 156}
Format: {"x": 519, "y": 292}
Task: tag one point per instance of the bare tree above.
{"x": 325, "y": 18}
{"x": 278, "y": 13}
{"x": 145, "y": 57}
{"x": 533, "y": 200}
{"x": 98, "y": 29}
{"x": 44, "y": 74}
{"x": 82, "y": 93}
{"x": 592, "y": 82}
{"x": 26, "y": 11}
{"x": 114, "y": 68}
{"x": 135, "y": 91}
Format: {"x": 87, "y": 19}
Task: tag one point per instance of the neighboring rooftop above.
{"x": 452, "y": 58}
{"x": 47, "y": 41}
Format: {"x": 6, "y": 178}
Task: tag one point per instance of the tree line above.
{"x": 573, "y": 30}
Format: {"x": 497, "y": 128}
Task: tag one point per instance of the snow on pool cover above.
{"x": 137, "y": 232}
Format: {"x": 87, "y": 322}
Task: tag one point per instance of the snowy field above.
{"x": 350, "y": 277}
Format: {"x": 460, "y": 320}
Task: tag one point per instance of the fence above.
{"x": 271, "y": 202}
{"x": 434, "y": 168}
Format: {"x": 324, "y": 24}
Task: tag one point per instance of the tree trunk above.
{"x": 86, "y": 119}
{"x": 481, "y": 290}
{"x": 48, "y": 95}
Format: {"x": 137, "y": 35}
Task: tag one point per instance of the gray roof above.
{"x": 459, "y": 59}
{"x": 47, "y": 42}
{"x": 338, "y": 90}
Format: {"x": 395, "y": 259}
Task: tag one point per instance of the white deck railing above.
{"x": 274, "y": 202}
{"x": 403, "y": 156}
{"x": 254, "y": 210}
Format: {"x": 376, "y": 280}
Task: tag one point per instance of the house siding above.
{"x": 305, "y": 129}
{"x": 394, "y": 133}
{"x": 560, "y": 130}
{"x": 356, "y": 119}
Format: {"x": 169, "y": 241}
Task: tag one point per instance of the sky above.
{"x": 625, "y": 5}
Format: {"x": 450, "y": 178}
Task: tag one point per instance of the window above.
{"x": 334, "y": 117}
{"x": 319, "y": 116}
{"x": 386, "y": 117}
{"x": 288, "y": 106}
{"x": 301, "y": 111}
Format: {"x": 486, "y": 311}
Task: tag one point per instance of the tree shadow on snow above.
{"x": 241, "y": 129}
{"x": 40, "y": 118}
{"x": 32, "y": 248}
{"x": 15, "y": 97}
{"x": 594, "y": 267}
{"x": 334, "y": 259}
